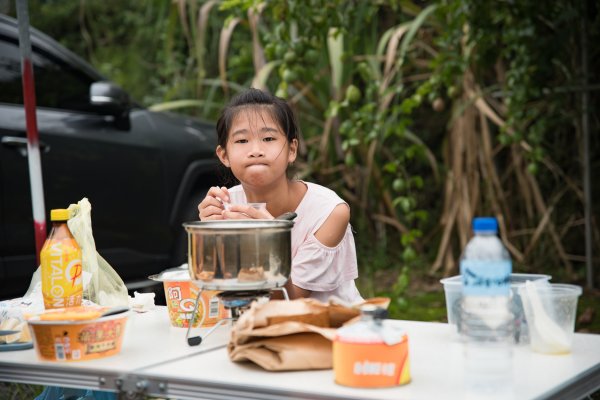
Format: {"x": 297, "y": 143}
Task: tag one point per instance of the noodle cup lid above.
{"x": 177, "y": 274}
{"x": 79, "y": 314}
{"x": 368, "y": 332}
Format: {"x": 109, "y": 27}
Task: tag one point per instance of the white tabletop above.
{"x": 149, "y": 339}
{"x": 157, "y": 357}
{"x": 436, "y": 363}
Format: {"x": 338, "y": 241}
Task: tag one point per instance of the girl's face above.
{"x": 257, "y": 149}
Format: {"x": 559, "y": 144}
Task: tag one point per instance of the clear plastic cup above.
{"x": 550, "y": 310}
{"x": 257, "y": 206}
{"x": 453, "y": 294}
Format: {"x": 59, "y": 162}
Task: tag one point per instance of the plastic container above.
{"x": 62, "y": 284}
{"x": 453, "y": 295}
{"x": 551, "y": 311}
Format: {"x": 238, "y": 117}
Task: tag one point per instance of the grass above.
{"x": 425, "y": 306}
{"x": 588, "y": 303}
{"x": 424, "y": 300}
{"x": 19, "y": 391}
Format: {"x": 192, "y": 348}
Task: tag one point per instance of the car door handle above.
{"x": 21, "y": 144}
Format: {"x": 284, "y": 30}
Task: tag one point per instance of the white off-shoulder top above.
{"x": 325, "y": 271}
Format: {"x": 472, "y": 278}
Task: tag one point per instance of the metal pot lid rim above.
{"x": 239, "y": 224}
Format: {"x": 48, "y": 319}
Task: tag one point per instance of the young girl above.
{"x": 258, "y": 140}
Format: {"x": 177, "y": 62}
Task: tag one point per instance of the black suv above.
{"x": 144, "y": 172}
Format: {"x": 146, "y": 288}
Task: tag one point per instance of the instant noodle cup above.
{"x": 181, "y": 294}
{"x": 371, "y": 353}
{"x": 77, "y": 333}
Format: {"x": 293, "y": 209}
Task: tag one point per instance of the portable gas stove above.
{"x": 236, "y": 301}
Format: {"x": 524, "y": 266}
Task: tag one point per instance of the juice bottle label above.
{"x": 62, "y": 284}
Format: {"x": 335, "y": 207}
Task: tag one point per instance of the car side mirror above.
{"x": 112, "y": 100}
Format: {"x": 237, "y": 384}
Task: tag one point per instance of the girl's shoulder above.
{"x": 318, "y": 192}
{"x": 316, "y": 206}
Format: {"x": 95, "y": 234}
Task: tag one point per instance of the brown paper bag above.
{"x": 288, "y": 335}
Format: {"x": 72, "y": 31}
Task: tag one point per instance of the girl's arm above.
{"x": 294, "y": 292}
{"x": 329, "y": 234}
{"x": 333, "y": 229}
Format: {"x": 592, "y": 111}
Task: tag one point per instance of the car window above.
{"x": 10, "y": 74}
{"x": 57, "y": 85}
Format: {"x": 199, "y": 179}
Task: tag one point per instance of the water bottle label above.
{"x": 486, "y": 278}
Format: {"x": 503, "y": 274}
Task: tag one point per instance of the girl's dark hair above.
{"x": 254, "y": 99}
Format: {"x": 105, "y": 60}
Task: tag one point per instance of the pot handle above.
{"x": 289, "y": 216}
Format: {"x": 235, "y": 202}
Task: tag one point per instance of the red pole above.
{"x": 33, "y": 148}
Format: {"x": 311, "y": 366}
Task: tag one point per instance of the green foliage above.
{"x": 127, "y": 41}
{"x": 364, "y": 92}
{"x": 535, "y": 44}
{"x": 18, "y": 391}
{"x": 332, "y": 71}
{"x": 399, "y": 302}
{"x": 377, "y": 86}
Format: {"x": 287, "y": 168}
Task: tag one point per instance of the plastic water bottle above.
{"x": 486, "y": 318}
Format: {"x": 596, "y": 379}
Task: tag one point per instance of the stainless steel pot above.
{"x": 239, "y": 254}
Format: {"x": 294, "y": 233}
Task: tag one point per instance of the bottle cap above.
{"x": 374, "y": 312}
{"x": 59, "y": 214}
{"x": 485, "y": 224}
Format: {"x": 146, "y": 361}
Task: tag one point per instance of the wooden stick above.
{"x": 542, "y": 209}
{"x": 450, "y": 219}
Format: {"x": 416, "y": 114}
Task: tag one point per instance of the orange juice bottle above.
{"x": 62, "y": 284}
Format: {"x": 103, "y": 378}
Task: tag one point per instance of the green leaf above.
{"x": 417, "y": 182}
{"x": 391, "y": 167}
{"x": 399, "y": 184}
{"x": 409, "y": 254}
{"x": 260, "y": 79}
{"x": 353, "y": 94}
{"x": 349, "y": 159}
{"x": 335, "y": 45}
{"x": 402, "y": 281}
{"x": 334, "y": 108}
{"x": 414, "y": 27}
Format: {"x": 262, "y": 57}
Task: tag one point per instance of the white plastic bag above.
{"x": 101, "y": 284}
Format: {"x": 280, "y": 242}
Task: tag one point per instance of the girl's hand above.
{"x": 212, "y": 205}
{"x": 246, "y": 211}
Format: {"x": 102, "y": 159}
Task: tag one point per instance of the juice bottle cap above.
{"x": 59, "y": 214}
